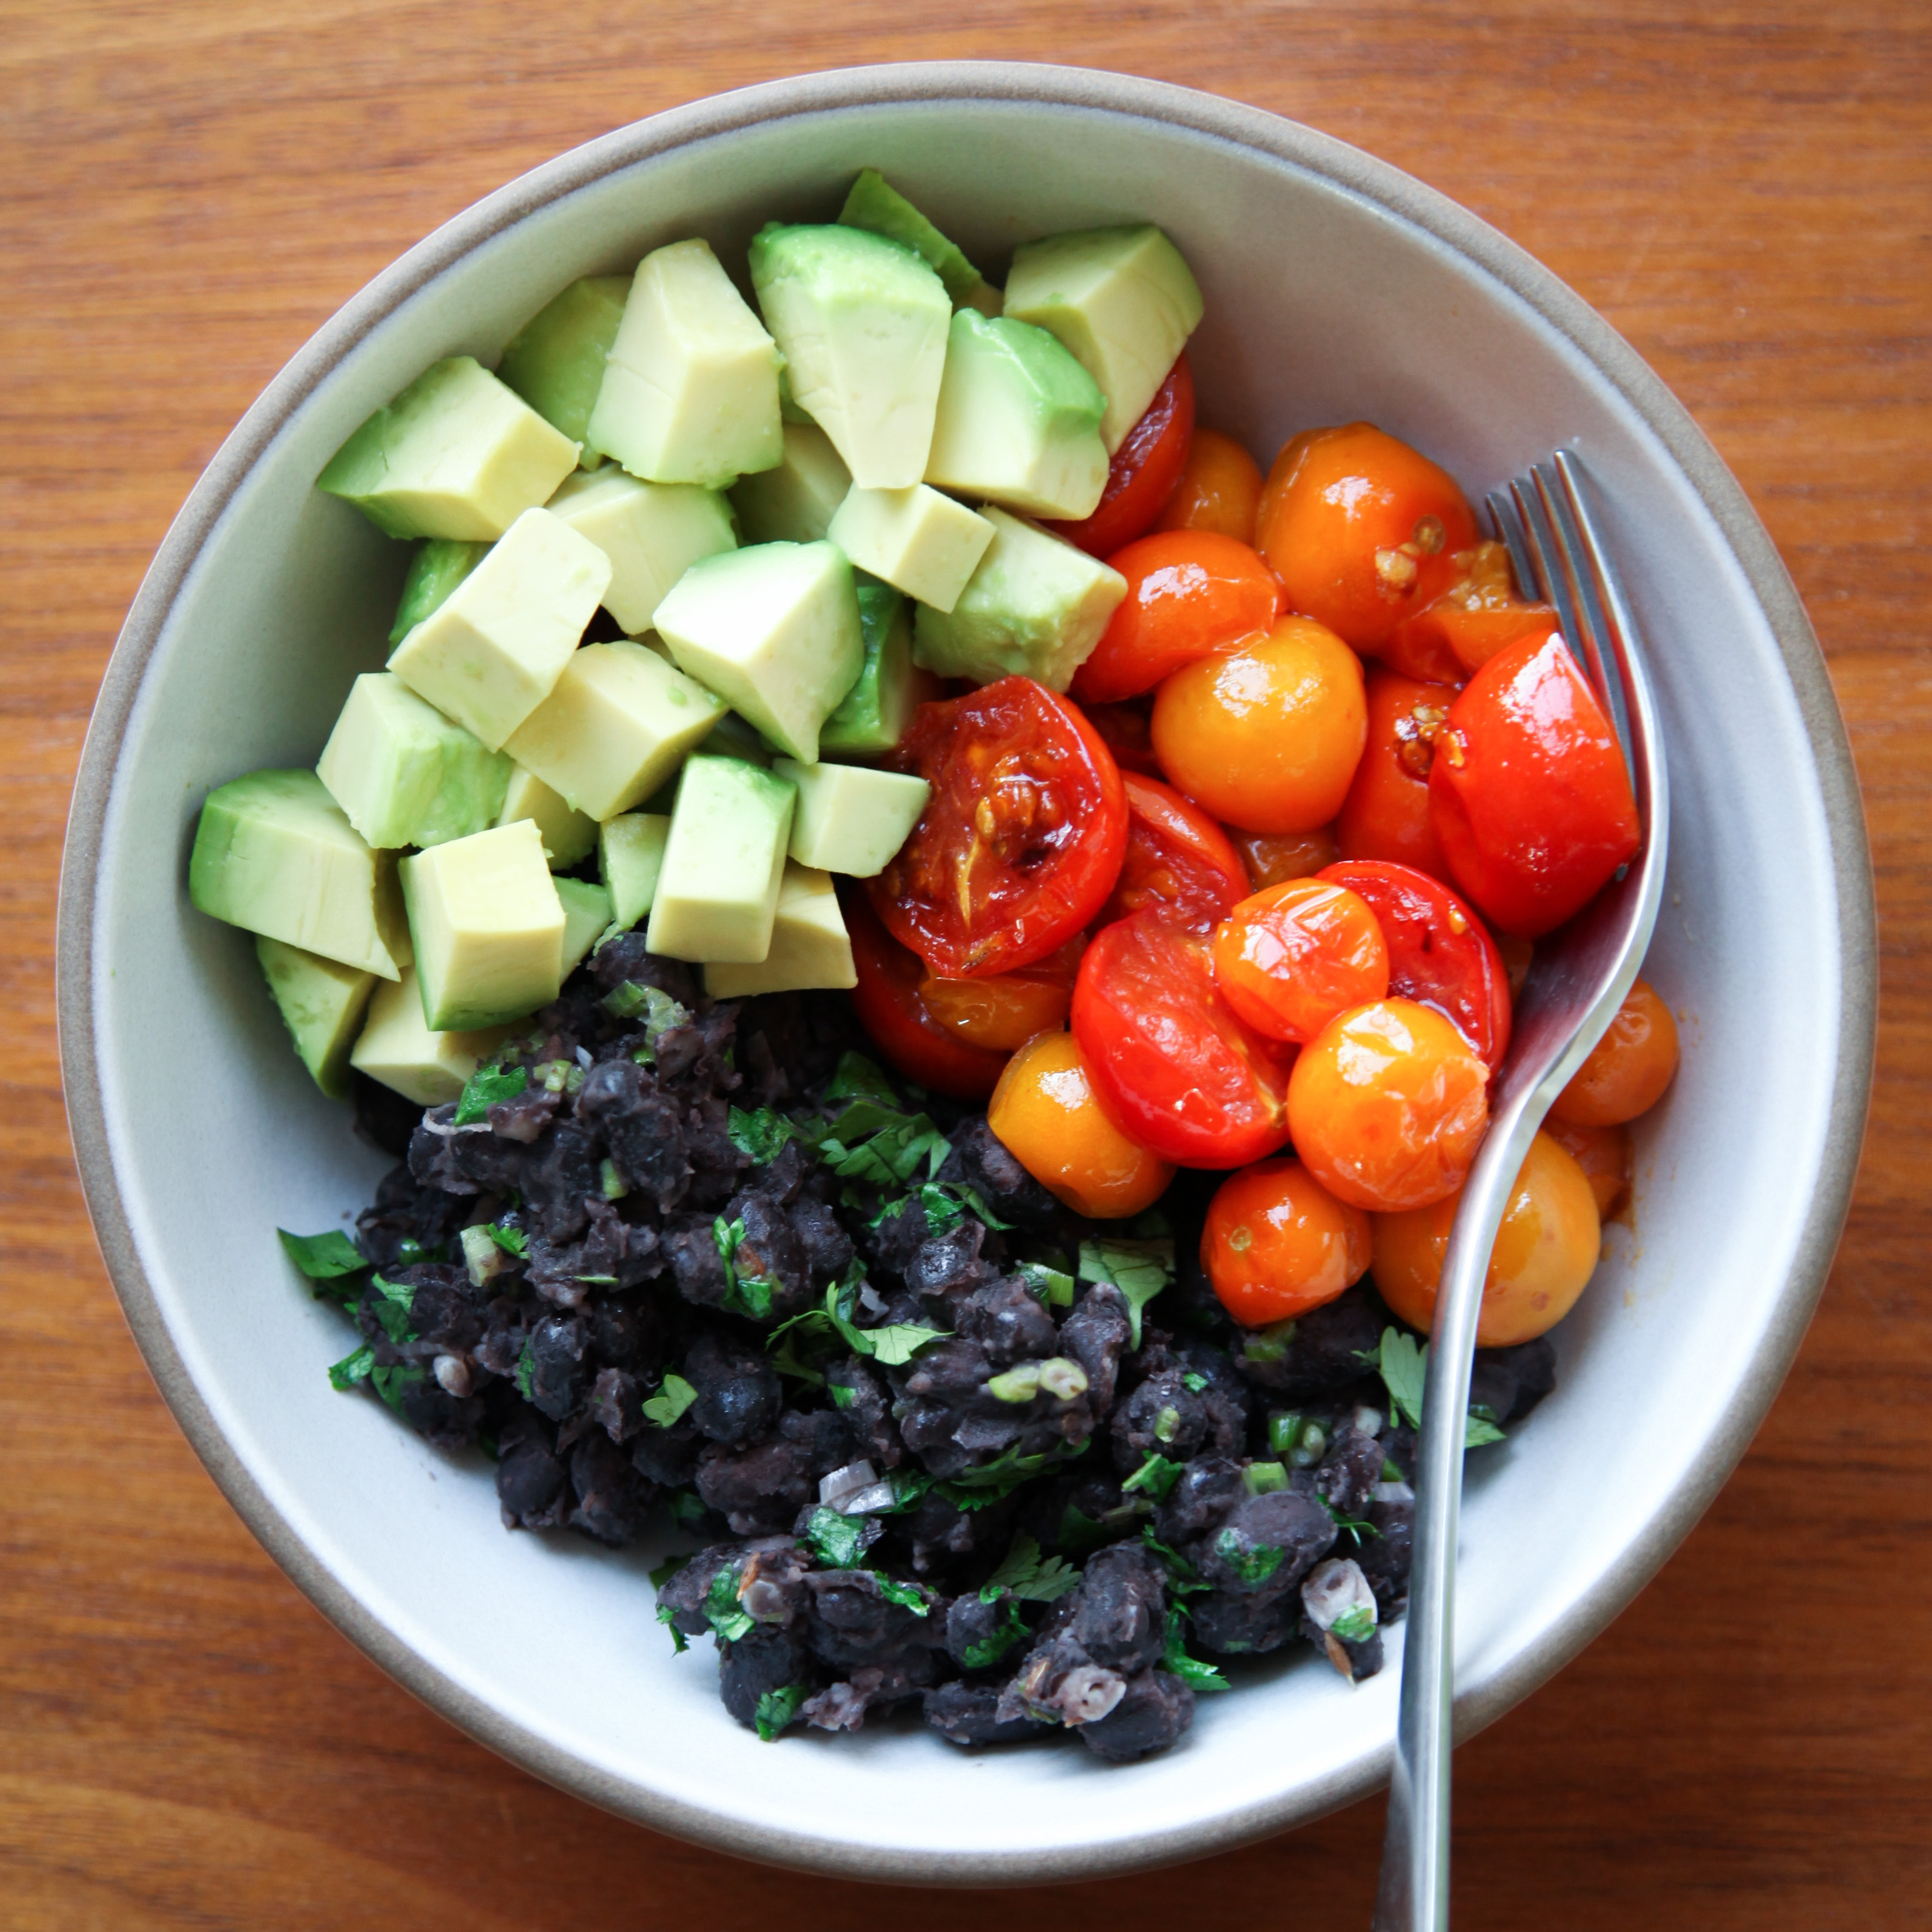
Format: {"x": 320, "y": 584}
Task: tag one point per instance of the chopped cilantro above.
{"x": 389, "y": 1383}
{"x": 526, "y": 1369}
{"x": 990, "y": 1649}
{"x": 1193, "y": 1383}
{"x": 779, "y": 1709}
{"x": 1253, "y": 1563}
{"x": 511, "y": 1240}
{"x": 872, "y": 1143}
{"x": 909, "y": 1596}
{"x": 1354, "y": 1527}
{"x": 979, "y": 1488}
{"x": 687, "y": 1507}
{"x": 670, "y": 1402}
{"x": 1357, "y": 1626}
{"x": 857, "y": 1078}
{"x": 1404, "y": 1366}
{"x": 666, "y": 1571}
{"x": 679, "y": 1643}
{"x": 1078, "y": 1534}
{"x": 744, "y": 1294}
{"x": 484, "y": 1089}
{"x": 839, "y": 1540}
{"x": 895, "y": 1344}
{"x": 323, "y": 1257}
{"x": 842, "y": 1397}
{"x": 1269, "y": 1344}
{"x": 1183, "y": 1579}
{"x": 1192, "y": 1672}
{"x": 760, "y": 1136}
{"x": 1139, "y": 1269}
{"x": 892, "y": 1346}
{"x": 1051, "y": 1285}
{"x": 1391, "y": 1472}
{"x": 392, "y": 1308}
{"x": 352, "y": 1368}
{"x": 721, "y": 1609}
{"x": 1024, "y": 1573}
{"x": 1156, "y": 1476}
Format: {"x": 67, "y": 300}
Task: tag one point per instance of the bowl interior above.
{"x": 1322, "y": 305}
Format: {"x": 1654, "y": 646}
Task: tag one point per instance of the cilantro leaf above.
{"x": 842, "y": 1394}
{"x": 1481, "y": 1429}
{"x": 1024, "y": 1573}
{"x": 670, "y": 1402}
{"x": 352, "y": 1368}
{"x": 527, "y": 1368}
{"x": 1253, "y": 1563}
{"x": 839, "y": 1540}
{"x": 323, "y": 1257}
{"x": 895, "y": 1344}
{"x": 484, "y": 1089}
{"x": 1139, "y": 1269}
{"x": 744, "y": 1294}
{"x": 1404, "y": 1367}
{"x": 991, "y": 1649}
{"x": 680, "y": 1642}
{"x": 857, "y": 1078}
{"x": 1355, "y": 1527}
{"x": 979, "y": 1488}
{"x": 759, "y": 1136}
{"x": 1156, "y": 1476}
{"x": 511, "y": 1240}
{"x": 1357, "y": 1626}
{"x": 1183, "y": 1579}
{"x": 721, "y": 1610}
{"x": 1193, "y": 1383}
{"x": 779, "y": 1709}
{"x": 889, "y": 1154}
{"x": 909, "y": 1596}
{"x": 390, "y": 1384}
{"x": 666, "y": 1571}
{"x": 1192, "y": 1672}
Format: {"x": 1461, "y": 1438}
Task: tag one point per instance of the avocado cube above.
{"x": 438, "y": 567}
{"x": 919, "y": 542}
{"x": 487, "y": 927}
{"x": 652, "y": 532}
{"x": 861, "y": 321}
{"x": 630, "y": 854}
{"x": 586, "y": 916}
{"x": 875, "y": 203}
{"x": 809, "y": 945}
{"x": 616, "y": 727}
{"x": 1035, "y": 606}
{"x": 490, "y": 655}
{"x": 872, "y": 716}
{"x": 795, "y": 501}
{"x": 774, "y": 630}
{"x": 567, "y": 835}
{"x": 718, "y": 889}
{"x": 690, "y": 393}
{"x": 555, "y": 361}
{"x": 398, "y": 1048}
{"x": 850, "y": 818}
{"x": 274, "y": 854}
{"x": 1121, "y": 299}
{"x": 456, "y": 455}
{"x": 322, "y": 1003}
{"x": 1018, "y": 421}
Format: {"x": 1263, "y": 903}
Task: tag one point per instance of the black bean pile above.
{"x": 945, "y": 1445}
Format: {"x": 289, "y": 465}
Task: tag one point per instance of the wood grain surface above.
{"x": 187, "y": 191}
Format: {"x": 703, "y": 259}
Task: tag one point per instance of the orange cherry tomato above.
{"x": 1628, "y": 1069}
{"x": 1277, "y": 1244}
{"x": 1044, "y": 1111}
{"x": 1127, "y": 732}
{"x": 1386, "y": 814}
{"x": 1179, "y": 861}
{"x": 1273, "y": 858}
{"x": 1360, "y": 528}
{"x": 1545, "y": 1252}
{"x": 1477, "y": 615}
{"x": 1387, "y": 1106}
{"x": 1268, "y": 736}
{"x": 1292, "y": 958}
{"x": 1603, "y": 1153}
{"x": 1189, "y": 593}
{"x": 1219, "y": 490}
{"x": 1140, "y": 479}
{"x": 1004, "y": 1012}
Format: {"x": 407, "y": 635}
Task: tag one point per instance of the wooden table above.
{"x": 186, "y": 191}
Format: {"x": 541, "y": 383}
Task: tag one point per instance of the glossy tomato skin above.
{"x": 1603, "y": 1153}
{"x": 1289, "y": 959}
{"x": 1169, "y": 1059}
{"x": 1273, "y": 858}
{"x": 1276, "y": 1244}
{"x": 1022, "y": 838}
{"x": 1178, "y": 860}
{"x": 1002, "y": 1011}
{"x": 1220, "y": 489}
{"x": 1627, "y": 1070}
{"x": 1386, "y": 815}
{"x": 1146, "y": 469}
{"x": 1476, "y": 615}
{"x": 1127, "y": 731}
{"x": 1530, "y": 798}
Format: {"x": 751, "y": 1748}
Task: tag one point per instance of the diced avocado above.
{"x": 398, "y": 1049}
{"x": 630, "y": 854}
{"x": 691, "y": 391}
{"x": 487, "y": 927}
{"x": 919, "y": 542}
{"x": 586, "y": 913}
{"x": 788, "y": 408}
{"x": 875, "y": 203}
{"x": 1035, "y": 606}
{"x": 1122, "y": 299}
{"x": 1019, "y": 420}
{"x": 718, "y": 889}
{"x": 489, "y": 656}
{"x": 873, "y": 715}
{"x": 615, "y": 727}
{"x": 849, "y": 818}
{"x": 555, "y": 361}
{"x": 774, "y": 630}
{"x": 733, "y": 737}
{"x": 795, "y": 503}
{"x": 652, "y": 532}
{"x": 567, "y": 835}
{"x": 861, "y": 321}
{"x": 274, "y": 854}
{"x": 322, "y": 1002}
{"x": 456, "y": 455}
{"x": 403, "y": 773}
{"x": 809, "y": 945}
{"x": 439, "y": 565}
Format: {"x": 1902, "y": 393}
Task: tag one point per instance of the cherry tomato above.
{"x": 1440, "y": 954}
{"x": 1628, "y": 1069}
{"x": 1476, "y": 616}
{"x": 1546, "y": 1251}
{"x": 1170, "y": 1059}
{"x": 1268, "y": 736}
{"x": 1190, "y": 593}
{"x": 1530, "y": 800}
{"x": 1219, "y": 490}
{"x": 1360, "y": 527}
{"x": 1277, "y": 1244}
{"x": 1022, "y": 838}
{"x": 1603, "y": 1153}
{"x": 1147, "y": 466}
{"x": 1127, "y": 732}
{"x": 1045, "y": 1112}
{"x": 1179, "y": 861}
{"x": 1386, "y": 814}
{"x": 1387, "y": 1106}
{"x": 887, "y": 1001}
{"x": 1273, "y": 858}
{"x": 1003, "y": 1012}
{"x": 1292, "y": 958}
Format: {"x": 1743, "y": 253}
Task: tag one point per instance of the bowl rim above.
{"x": 1384, "y": 187}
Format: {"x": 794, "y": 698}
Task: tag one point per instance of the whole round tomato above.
{"x": 1021, "y": 840}
{"x": 1628, "y": 1069}
{"x": 1179, "y": 861}
{"x": 1141, "y": 478}
{"x": 1170, "y": 1059}
{"x": 1220, "y": 490}
{"x": 1386, "y": 814}
{"x": 1277, "y": 1244}
{"x": 1476, "y": 615}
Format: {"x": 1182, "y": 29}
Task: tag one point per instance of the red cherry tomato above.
{"x": 1145, "y": 472}
{"x": 1476, "y": 615}
{"x": 1386, "y": 814}
{"x": 1022, "y": 838}
{"x": 1528, "y": 792}
{"x": 1277, "y": 1243}
{"x": 1440, "y": 954}
{"x": 1179, "y": 861}
{"x": 1166, "y": 1054}
{"x": 1190, "y": 593}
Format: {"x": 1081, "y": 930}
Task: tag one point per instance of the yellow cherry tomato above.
{"x": 1277, "y": 1243}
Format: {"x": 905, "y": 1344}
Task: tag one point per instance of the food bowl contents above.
{"x": 812, "y": 719}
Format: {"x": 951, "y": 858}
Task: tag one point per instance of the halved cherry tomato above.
{"x": 1361, "y": 529}
{"x": 1179, "y": 861}
{"x": 1386, "y": 814}
{"x": 1277, "y": 1244}
{"x": 1144, "y": 473}
{"x": 1022, "y": 838}
{"x": 1003, "y": 1011}
{"x": 1628, "y": 1069}
{"x": 1273, "y": 858}
{"x": 1476, "y": 615}
{"x": 1219, "y": 490}
{"x": 1440, "y": 953}
{"x": 1289, "y": 959}
{"x": 1168, "y": 1056}
{"x": 1528, "y": 792}
{"x": 1190, "y": 593}
{"x": 1128, "y": 731}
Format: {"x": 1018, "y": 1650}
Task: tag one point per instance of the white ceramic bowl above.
{"x": 1336, "y": 288}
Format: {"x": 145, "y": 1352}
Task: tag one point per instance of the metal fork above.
{"x": 1577, "y": 980}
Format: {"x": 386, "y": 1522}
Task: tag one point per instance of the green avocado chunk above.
{"x": 322, "y": 1003}
{"x": 875, "y": 204}
{"x": 717, "y": 891}
{"x": 555, "y": 361}
{"x": 439, "y": 565}
{"x": 872, "y": 716}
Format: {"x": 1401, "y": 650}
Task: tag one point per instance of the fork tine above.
{"x": 1553, "y": 580}
{"x": 1563, "y": 508}
{"x": 1509, "y": 527}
